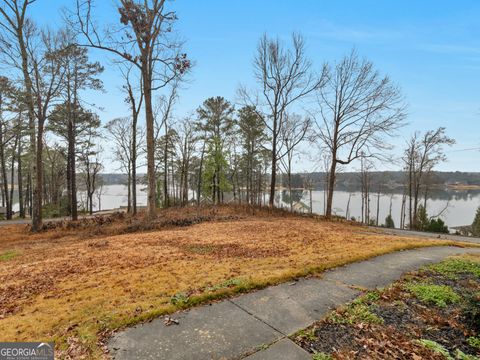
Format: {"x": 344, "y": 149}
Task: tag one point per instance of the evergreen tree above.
{"x": 422, "y": 221}
{"x": 215, "y": 181}
{"x": 251, "y": 130}
{"x": 215, "y": 127}
{"x": 389, "y": 223}
{"x": 476, "y": 224}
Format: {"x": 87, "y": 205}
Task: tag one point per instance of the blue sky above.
{"x": 431, "y": 49}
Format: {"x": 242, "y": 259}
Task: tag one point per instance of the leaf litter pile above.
{"x": 430, "y": 314}
{"x": 75, "y": 283}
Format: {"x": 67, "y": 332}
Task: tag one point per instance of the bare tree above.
{"x": 122, "y": 133}
{"x": 423, "y": 153}
{"x": 91, "y": 165}
{"x": 357, "y": 109}
{"x": 366, "y": 167}
{"x": 8, "y": 134}
{"x": 294, "y": 131}
{"x": 145, "y": 40}
{"x": 135, "y": 103}
{"x": 285, "y": 76}
{"x": 186, "y": 147}
{"x": 164, "y": 111}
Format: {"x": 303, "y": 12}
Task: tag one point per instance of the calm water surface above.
{"x": 461, "y": 208}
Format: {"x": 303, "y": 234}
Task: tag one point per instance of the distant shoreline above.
{"x": 463, "y": 187}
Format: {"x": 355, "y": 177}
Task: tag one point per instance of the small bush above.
{"x": 476, "y": 224}
{"x": 471, "y": 312}
{"x": 451, "y": 267}
{"x": 439, "y": 295}
{"x": 307, "y": 334}
{"x": 389, "y": 223}
{"x": 179, "y": 299}
{"x": 459, "y": 355}
{"x": 322, "y": 356}
{"x": 355, "y": 313}
{"x": 474, "y": 341}
{"x": 226, "y": 284}
{"x": 430, "y": 225}
{"x": 435, "y": 347}
{"x": 437, "y": 226}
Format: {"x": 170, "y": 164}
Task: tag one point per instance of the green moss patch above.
{"x": 9, "y": 255}
{"x": 439, "y": 295}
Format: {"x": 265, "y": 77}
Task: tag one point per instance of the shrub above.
{"x": 322, "y": 356}
{"x": 355, "y": 313}
{"x": 179, "y": 299}
{"x": 422, "y": 218}
{"x": 429, "y": 225}
{"x": 451, "y": 267}
{"x": 439, "y": 295}
{"x": 435, "y": 347}
{"x": 471, "y": 312}
{"x": 437, "y": 226}
{"x": 474, "y": 342}
{"x": 389, "y": 223}
{"x": 476, "y": 224}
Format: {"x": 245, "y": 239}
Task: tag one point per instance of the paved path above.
{"x": 256, "y": 326}
{"x": 420, "y": 234}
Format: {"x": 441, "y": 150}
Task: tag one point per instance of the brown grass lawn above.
{"x": 75, "y": 285}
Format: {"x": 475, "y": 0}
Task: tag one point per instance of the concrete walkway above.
{"x": 257, "y": 325}
{"x": 420, "y": 234}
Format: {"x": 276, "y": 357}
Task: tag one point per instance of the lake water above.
{"x": 461, "y": 209}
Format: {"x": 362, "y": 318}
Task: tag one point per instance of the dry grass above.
{"x": 73, "y": 286}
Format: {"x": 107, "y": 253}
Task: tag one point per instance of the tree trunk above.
{"x": 4, "y": 173}
{"x": 69, "y": 184}
{"x": 35, "y": 213}
{"x": 378, "y": 203}
{"x": 199, "y": 185}
{"x": 289, "y": 175}
{"x": 347, "y": 212}
{"x": 273, "y": 179}
{"x": 166, "y": 197}
{"x": 134, "y": 163}
{"x": 20, "y": 180}
{"x": 73, "y": 172}
{"x": 12, "y": 175}
{"x": 129, "y": 191}
{"x": 331, "y": 187}
{"x": 91, "y": 202}
{"x": 151, "y": 203}
{"x": 311, "y": 202}
{"x": 38, "y": 171}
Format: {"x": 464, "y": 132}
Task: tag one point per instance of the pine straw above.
{"x": 74, "y": 287}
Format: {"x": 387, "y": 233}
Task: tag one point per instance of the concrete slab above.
{"x": 218, "y": 331}
{"x": 289, "y": 308}
{"x": 284, "y": 349}
{"x": 383, "y": 270}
